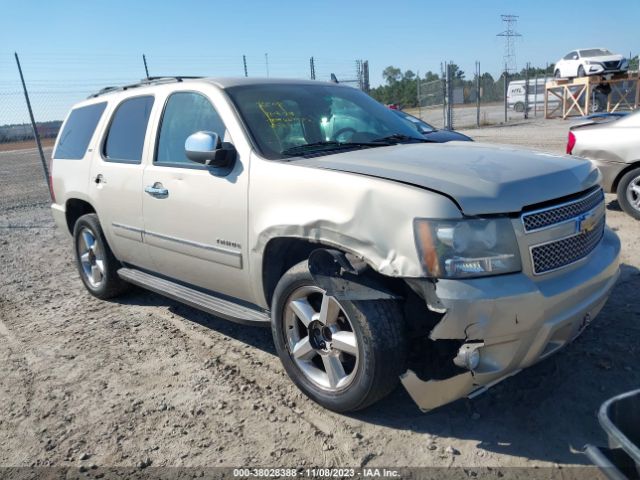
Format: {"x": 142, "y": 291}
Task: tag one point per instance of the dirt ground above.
{"x": 146, "y": 381}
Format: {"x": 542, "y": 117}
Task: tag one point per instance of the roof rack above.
{"x": 142, "y": 83}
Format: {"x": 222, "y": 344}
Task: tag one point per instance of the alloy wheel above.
{"x": 91, "y": 258}
{"x": 320, "y": 338}
{"x": 633, "y": 193}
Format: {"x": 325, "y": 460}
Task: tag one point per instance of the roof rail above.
{"x": 142, "y": 83}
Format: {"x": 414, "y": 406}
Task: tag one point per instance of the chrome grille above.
{"x": 561, "y": 213}
{"x": 553, "y": 255}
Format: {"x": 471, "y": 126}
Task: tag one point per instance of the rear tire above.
{"x": 629, "y": 193}
{"x": 371, "y": 366}
{"x": 96, "y": 263}
{"x": 519, "y": 107}
{"x": 556, "y": 74}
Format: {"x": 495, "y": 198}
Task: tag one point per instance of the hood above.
{"x": 480, "y": 178}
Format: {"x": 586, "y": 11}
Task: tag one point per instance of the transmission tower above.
{"x": 510, "y": 35}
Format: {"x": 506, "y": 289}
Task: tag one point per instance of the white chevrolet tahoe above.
{"x": 375, "y": 255}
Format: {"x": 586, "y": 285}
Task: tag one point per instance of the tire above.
{"x": 94, "y": 259}
{"x": 628, "y": 192}
{"x": 519, "y": 107}
{"x": 379, "y": 356}
{"x": 556, "y": 74}
{"x": 581, "y": 71}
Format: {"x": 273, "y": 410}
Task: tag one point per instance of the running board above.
{"x": 194, "y": 298}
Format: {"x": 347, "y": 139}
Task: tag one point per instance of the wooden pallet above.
{"x": 574, "y": 95}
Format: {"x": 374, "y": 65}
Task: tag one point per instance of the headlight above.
{"x": 467, "y": 248}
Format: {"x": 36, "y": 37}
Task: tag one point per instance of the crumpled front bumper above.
{"x": 519, "y": 319}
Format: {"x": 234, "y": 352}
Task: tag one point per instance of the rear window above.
{"x": 78, "y": 130}
{"x": 125, "y": 138}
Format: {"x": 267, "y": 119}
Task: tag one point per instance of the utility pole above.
{"x": 146, "y": 69}
{"x": 45, "y": 168}
{"x": 244, "y": 63}
{"x": 266, "y": 63}
{"x": 510, "y": 35}
{"x": 312, "y": 68}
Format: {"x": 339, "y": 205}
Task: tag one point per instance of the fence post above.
{"x": 477, "y": 94}
{"x": 535, "y": 96}
{"x": 146, "y": 69}
{"x": 418, "y": 94}
{"x": 505, "y": 92}
{"x": 45, "y": 168}
{"x": 526, "y": 92}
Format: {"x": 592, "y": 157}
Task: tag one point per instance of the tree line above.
{"x": 401, "y": 88}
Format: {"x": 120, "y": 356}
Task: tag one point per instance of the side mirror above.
{"x": 208, "y": 149}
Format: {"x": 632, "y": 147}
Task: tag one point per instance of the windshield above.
{"x": 282, "y": 118}
{"x": 595, "y": 52}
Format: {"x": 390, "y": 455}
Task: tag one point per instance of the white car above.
{"x": 590, "y": 61}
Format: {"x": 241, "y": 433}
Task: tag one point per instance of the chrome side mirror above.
{"x": 207, "y": 148}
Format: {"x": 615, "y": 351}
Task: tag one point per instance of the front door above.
{"x": 195, "y": 217}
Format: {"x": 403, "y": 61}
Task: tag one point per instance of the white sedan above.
{"x": 590, "y": 61}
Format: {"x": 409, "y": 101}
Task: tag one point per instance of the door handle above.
{"x": 99, "y": 179}
{"x": 157, "y": 190}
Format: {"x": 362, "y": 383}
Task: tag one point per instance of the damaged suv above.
{"x": 375, "y": 255}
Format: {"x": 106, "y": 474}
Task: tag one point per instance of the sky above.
{"x": 72, "y": 47}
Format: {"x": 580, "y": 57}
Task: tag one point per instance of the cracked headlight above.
{"x": 467, "y": 248}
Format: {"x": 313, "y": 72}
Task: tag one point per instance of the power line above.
{"x": 509, "y": 35}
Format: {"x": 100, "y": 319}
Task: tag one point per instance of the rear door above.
{"x": 195, "y": 217}
{"x": 115, "y": 184}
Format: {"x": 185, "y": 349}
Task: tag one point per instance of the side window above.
{"x": 570, "y": 56}
{"x": 125, "y": 138}
{"x": 76, "y": 135}
{"x": 185, "y": 114}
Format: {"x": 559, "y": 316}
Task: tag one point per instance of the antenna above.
{"x": 509, "y": 35}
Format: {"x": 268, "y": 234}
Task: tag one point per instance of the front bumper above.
{"x": 598, "y": 69}
{"x": 520, "y": 320}
{"x": 609, "y": 171}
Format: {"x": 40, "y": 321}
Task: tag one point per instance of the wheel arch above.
{"x": 74, "y": 209}
{"x": 282, "y": 253}
{"x": 622, "y": 173}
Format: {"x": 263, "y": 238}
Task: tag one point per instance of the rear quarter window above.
{"x": 77, "y": 132}
{"x": 125, "y": 138}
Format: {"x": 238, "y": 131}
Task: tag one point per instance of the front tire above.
{"x": 629, "y": 193}
{"x": 344, "y": 355}
{"x": 557, "y": 74}
{"x": 581, "y": 71}
{"x": 96, "y": 263}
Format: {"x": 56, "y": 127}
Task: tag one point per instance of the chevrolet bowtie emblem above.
{"x": 586, "y": 222}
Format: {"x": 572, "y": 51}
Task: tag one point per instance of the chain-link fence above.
{"x": 454, "y": 100}
{"x": 56, "y": 82}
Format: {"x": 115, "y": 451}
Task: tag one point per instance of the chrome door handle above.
{"x": 157, "y": 190}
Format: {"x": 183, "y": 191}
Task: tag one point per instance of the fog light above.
{"x": 468, "y": 356}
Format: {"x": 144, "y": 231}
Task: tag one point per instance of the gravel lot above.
{"x": 146, "y": 381}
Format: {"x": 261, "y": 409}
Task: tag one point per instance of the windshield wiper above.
{"x": 400, "y": 137}
{"x": 329, "y": 145}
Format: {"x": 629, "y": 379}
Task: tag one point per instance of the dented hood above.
{"x": 480, "y": 178}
